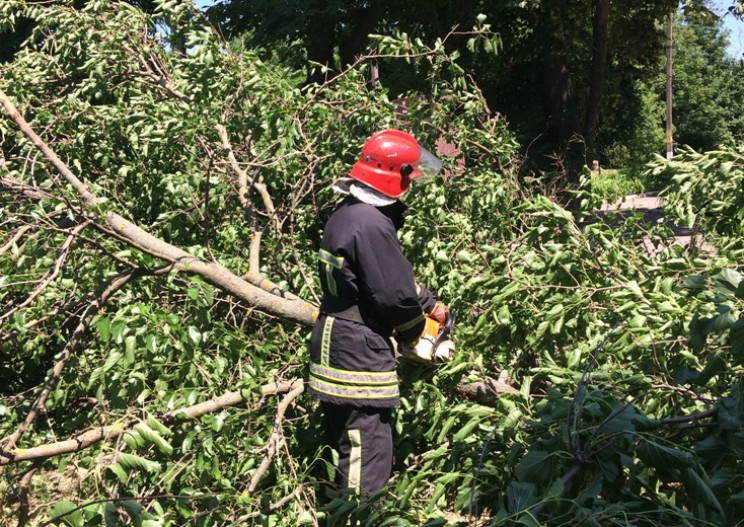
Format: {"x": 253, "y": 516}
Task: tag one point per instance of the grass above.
{"x": 608, "y": 185}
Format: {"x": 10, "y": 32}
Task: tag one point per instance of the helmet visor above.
{"x": 429, "y": 165}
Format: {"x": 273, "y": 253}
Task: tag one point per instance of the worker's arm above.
{"x": 387, "y": 279}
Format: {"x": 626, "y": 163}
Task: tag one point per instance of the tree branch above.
{"x": 287, "y": 307}
{"x": 51, "y": 274}
{"x": 243, "y": 183}
{"x": 275, "y": 436}
{"x": 687, "y": 418}
{"x": 253, "y": 275}
{"x": 24, "y": 512}
{"x": 113, "y": 285}
{"x": 271, "y": 507}
{"x": 9, "y": 184}
{"x": 111, "y": 432}
{"x": 17, "y": 236}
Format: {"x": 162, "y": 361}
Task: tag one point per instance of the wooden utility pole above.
{"x": 669, "y": 75}
{"x": 374, "y": 75}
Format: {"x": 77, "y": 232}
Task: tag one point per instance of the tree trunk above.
{"x": 365, "y": 22}
{"x": 598, "y": 73}
{"x": 559, "y": 99}
{"x": 320, "y": 29}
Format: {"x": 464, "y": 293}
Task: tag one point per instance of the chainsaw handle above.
{"x": 446, "y": 330}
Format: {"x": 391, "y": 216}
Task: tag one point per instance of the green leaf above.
{"x": 64, "y": 509}
{"x": 117, "y": 330}
{"x": 529, "y": 520}
{"x": 111, "y": 361}
{"x": 119, "y": 472}
{"x": 736, "y": 339}
{"x": 728, "y": 281}
{"x": 103, "y": 325}
{"x": 693, "y": 282}
{"x": 521, "y": 496}
{"x": 137, "y": 463}
{"x": 111, "y": 514}
{"x": 154, "y": 437}
{"x": 157, "y": 425}
{"x": 664, "y": 457}
{"x": 700, "y": 490}
{"x": 535, "y": 467}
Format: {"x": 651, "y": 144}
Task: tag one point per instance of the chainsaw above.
{"x": 435, "y": 344}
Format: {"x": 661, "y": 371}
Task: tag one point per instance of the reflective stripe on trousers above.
{"x": 348, "y": 384}
{"x": 355, "y": 461}
{"x": 363, "y": 438}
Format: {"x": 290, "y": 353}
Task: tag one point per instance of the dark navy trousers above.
{"x": 363, "y": 438}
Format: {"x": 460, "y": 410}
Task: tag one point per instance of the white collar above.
{"x": 362, "y": 192}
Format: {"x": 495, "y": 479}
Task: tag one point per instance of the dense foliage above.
{"x": 545, "y": 49}
{"x": 626, "y": 362}
{"x": 706, "y": 86}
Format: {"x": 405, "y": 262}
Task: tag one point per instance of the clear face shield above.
{"x": 429, "y": 165}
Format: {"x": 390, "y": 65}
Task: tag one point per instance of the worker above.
{"x": 369, "y": 297}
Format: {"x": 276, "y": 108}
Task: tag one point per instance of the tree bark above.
{"x": 320, "y": 30}
{"x": 559, "y": 99}
{"x": 598, "y": 74}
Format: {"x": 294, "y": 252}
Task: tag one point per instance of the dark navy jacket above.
{"x": 369, "y": 295}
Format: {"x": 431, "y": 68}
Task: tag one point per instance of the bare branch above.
{"x": 86, "y": 196}
{"x": 239, "y": 172}
{"x": 254, "y": 275}
{"x": 23, "y": 492}
{"x": 291, "y": 308}
{"x": 243, "y": 183}
{"x": 51, "y": 274}
{"x": 17, "y": 236}
{"x": 9, "y": 184}
{"x": 156, "y": 74}
{"x": 111, "y": 432}
{"x": 687, "y": 418}
{"x": 275, "y": 437}
{"x": 254, "y": 259}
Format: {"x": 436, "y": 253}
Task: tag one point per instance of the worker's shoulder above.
{"x": 358, "y": 213}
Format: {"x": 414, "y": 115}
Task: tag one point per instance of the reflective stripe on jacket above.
{"x": 361, "y": 262}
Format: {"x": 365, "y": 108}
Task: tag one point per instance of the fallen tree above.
{"x": 160, "y": 214}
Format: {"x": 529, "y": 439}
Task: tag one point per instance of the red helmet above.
{"x": 390, "y": 159}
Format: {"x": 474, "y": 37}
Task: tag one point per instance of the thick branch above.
{"x": 254, "y": 257}
{"x": 111, "y": 432}
{"x": 288, "y": 307}
{"x": 293, "y": 309}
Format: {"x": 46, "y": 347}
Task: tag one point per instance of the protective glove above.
{"x": 439, "y": 313}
